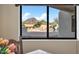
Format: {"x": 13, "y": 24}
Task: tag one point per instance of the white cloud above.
{"x": 43, "y": 16}
{"x": 37, "y": 18}
{"x": 25, "y": 16}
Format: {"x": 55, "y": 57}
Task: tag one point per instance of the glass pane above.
{"x": 61, "y": 21}
{"x": 34, "y": 21}
{"x": 53, "y": 22}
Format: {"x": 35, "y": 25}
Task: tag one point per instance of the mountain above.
{"x": 30, "y": 21}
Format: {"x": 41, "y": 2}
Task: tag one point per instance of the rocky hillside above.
{"x": 30, "y": 21}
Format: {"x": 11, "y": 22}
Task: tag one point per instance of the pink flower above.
{"x": 12, "y": 47}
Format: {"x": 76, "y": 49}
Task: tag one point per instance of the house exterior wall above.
{"x": 65, "y": 24}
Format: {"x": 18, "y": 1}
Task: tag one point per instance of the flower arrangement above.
{"x": 7, "y": 46}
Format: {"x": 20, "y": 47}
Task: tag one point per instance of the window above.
{"x": 34, "y": 21}
{"x": 47, "y": 21}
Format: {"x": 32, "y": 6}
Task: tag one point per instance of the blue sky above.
{"x": 53, "y": 14}
{"x": 38, "y": 12}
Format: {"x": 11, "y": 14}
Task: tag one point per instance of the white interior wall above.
{"x": 0, "y": 20}
{"x": 9, "y": 26}
{"x": 9, "y": 21}
{"x": 77, "y": 11}
{"x": 51, "y": 46}
{"x": 77, "y": 21}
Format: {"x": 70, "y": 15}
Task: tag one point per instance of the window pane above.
{"x": 61, "y": 21}
{"x": 34, "y": 21}
{"x": 53, "y": 22}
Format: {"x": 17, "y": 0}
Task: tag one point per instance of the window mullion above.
{"x": 47, "y": 21}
